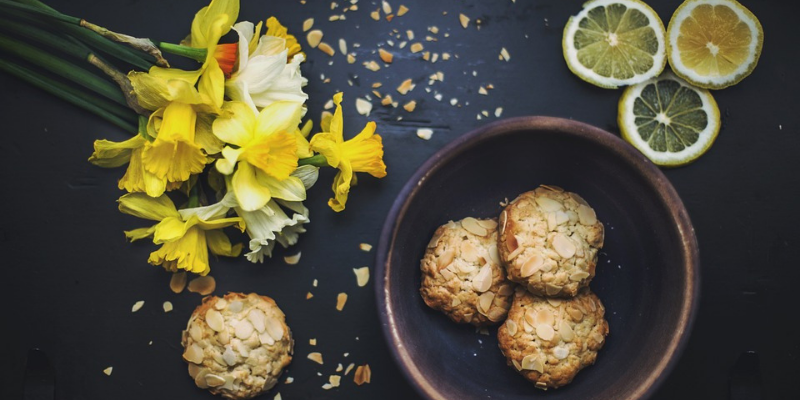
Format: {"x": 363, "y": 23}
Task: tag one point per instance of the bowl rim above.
{"x": 650, "y": 172}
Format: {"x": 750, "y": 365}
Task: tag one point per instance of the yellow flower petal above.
{"x": 174, "y": 155}
{"x": 337, "y": 121}
{"x": 204, "y": 135}
{"x": 211, "y": 225}
{"x": 275, "y": 155}
{"x": 236, "y": 124}
{"x": 250, "y": 194}
{"x": 303, "y": 146}
{"x": 274, "y": 28}
{"x": 220, "y": 245}
{"x": 139, "y": 233}
{"x": 341, "y": 187}
{"x": 204, "y": 19}
{"x": 189, "y": 253}
{"x": 171, "y": 229}
{"x": 365, "y": 152}
{"x": 137, "y": 179}
{"x": 143, "y": 206}
{"x": 251, "y": 47}
{"x": 110, "y": 154}
{"x": 212, "y": 83}
{"x": 280, "y": 116}
{"x": 325, "y": 144}
{"x": 291, "y": 188}
{"x": 230, "y": 157}
{"x": 167, "y": 74}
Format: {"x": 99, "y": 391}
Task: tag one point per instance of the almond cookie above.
{"x": 549, "y": 340}
{"x": 237, "y": 346}
{"x": 462, "y": 275}
{"x": 549, "y": 240}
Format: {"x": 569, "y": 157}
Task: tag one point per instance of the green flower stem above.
{"x": 196, "y": 54}
{"x": 71, "y": 95}
{"x": 46, "y": 38}
{"x": 76, "y": 32}
{"x": 317, "y": 160}
{"x": 194, "y": 196}
{"x": 41, "y": 11}
{"x": 62, "y": 68}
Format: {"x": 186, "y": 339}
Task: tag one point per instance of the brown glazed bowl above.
{"x": 647, "y": 273}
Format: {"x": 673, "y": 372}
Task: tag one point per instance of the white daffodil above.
{"x": 269, "y": 67}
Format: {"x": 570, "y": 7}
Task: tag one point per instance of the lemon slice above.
{"x": 713, "y": 44}
{"x": 613, "y": 43}
{"x": 670, "y": 121}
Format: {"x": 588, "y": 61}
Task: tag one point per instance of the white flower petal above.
{"x": 269, "y": 46}
{"x": 291, "y": 188}
{"x": 308, "y": 174}
{"x": 246, "y": 30}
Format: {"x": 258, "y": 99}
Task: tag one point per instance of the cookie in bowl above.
{"x": 549, "y": 340}
{"x": 548, "y": 240}
{"x": 237, "y": 345}
{"x": 462, "y": 275}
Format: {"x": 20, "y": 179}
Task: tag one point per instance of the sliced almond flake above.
{"x": 177, "y": 282}
{"x": 445, "y": 56}
{"x": 424, "y": 133}
{"x": 387, "y": 8}
{"x": 277, "y": 397}
{"x": 137, "y": 306}
{"x": 490, "y": 86}
{"x": 482, "y": 90}
{"x": 327, "y": 386}
{"x": 309, "y": 295}
{"x": 387, "y": 101}
{"x": 376, "y": 85}
{"x": 410, "y": 106}
{"x": 504, "y": 54}
{"x": 354, "y": 7}
{"x": 498, "y": 112}
{"x": 108, "y": 371}
{"x": 307, "y": 24}
{"x": 340, "y": 300}
{"x": 363, "y": 375}
{"x": 416, "y": 47}
{"x": 390, "y": 43}
{"x": 326, "y": 48}
{"x": 334, "y": 18}
{"x": 339, "y": 367}
{"x": 362, "y": 276}
{"x": 372, "y": 66}
{"x": 351, "y": 59}
{"x": 328, "y": 105}
{"x": 431, "y": 39}
{"x": 433, "y": 29}
{"x": 314, "y": 38}
{"x": 363, "y": 107}
{"x": 406, "y": 86}
{"x": 453, "y": 101}
{"x": 485, "y": 113}
{"x": 402, "y": 44}
{"x": 376, "y": 93}
{"x": 316, "y": 357}
{"x": 390, "y": 17}
{"x": 410, "y": 34}
{"x": 343, "y": 46}
{"x": 464, "y": 20}
{"x": 335, "y": 380}
{"x": 434, "y": 57}
{"x": 292, "y": 260}
{"x": 349, "y": 368}
{"x": 167, "y": 306}
{"x": 376, "y": 15}
{"x": 289, "y": 380}
{"x": 426, "y": 55}
{"x": 315, "y": 283}
{"x": 402, "y": 10}
{"x": 386, "y": 56}
{"x": 365, "y": 247}
{"x": 312, "y": 342}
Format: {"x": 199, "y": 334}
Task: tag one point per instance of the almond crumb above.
{"x": 314, "y": 37}
{"x": 326, "y": 48}
{"x": 464, "y": 20}
{"x": 416, "y": 47}
{"x": 402, "y": 10}
{"x": 410, "y": 106}
{"x": 340, "y": 300}
{"x": 307, "y": 24}
{"x": 406, "y": 86}
{"x": 108, "y": 371}
{"x": 376, "y": 15}
{"x": 292, "y": 260}
{"x": 316, "y": 357}
{"x": 386, "y": 56}
{"x": 365, "y": 247}
{"x": 363, "y": 375}
{"x": 424, "y": 133}
{"x": 362, "y": 276}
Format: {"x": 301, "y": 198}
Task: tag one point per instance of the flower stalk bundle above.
{"x": 225, "y": 141}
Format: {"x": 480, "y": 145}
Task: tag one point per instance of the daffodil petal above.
{"x": 110, "y": 154}
{"x": 207, "y": 213}
{"x": 212, "y": 83}
{"x": 189, "y": 253}
{"x": 139, "y": 233}
{"x": 244, "y": 30}
{"x": 204, "y": 19}
{"x": 236, "y": 222}
{"x": 172, "y": 228}
{"x": 168, "y": 74}
{"x": 307, "y": 174}
{"x": 337, "y": 121}
{"x": 250, "y": 194}
{"x": 303, "y": 146}
{"x": 204, "y": 135}
{"x": 143, "y": 206}
{"x": 281, "y": 116}
{"x": 220, "y": 245}
{"x": 291, "y": 188}
{"x": 236, "y": 123}
{"x": 262, "y": 71}
{"x": 325, "y": 144}
{"x": 237, "y": 90}
{"x": 275, "y": 154}
{"x": 341, "y": 187}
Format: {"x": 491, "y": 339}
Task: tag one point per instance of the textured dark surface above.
{"x": 70, "y": 277}
{"x": 646, "y": 273}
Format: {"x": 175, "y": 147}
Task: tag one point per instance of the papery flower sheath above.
{"x": 363, "y": 153}
{"x": 186, "y": 236}
{"x": 268, "y": 67}
{"x": 265, "y": 152}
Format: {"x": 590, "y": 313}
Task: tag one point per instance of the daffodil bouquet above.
{"x": 226, "y": 140}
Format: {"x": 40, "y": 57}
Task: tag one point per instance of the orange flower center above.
{"x": 226, "y": 57}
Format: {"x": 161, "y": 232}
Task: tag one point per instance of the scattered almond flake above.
{"x": 376, "y": 15}
{"x": 203, "y": 285}
{"x": 447, "y": 34}
{"x": 387, "y": 8}
{"x": 402, "y": 44}
{"x": 362, "y": 276}
{"x": 363, "y": 375}
{"x": 410, "y": 34}
{"x": 326, "y": 48}
{"x": 402, "y": 10}
{"x": 356, "y": 45}
{"x": 316, "y": 357}
{"x": 453, "y": 101}
{"x": 386, "y": 101}
{"x": 482, "y": 90}
{"x": 406, "y": 86}
{"x": 334, "y": 5}
{"x": 315, "y": 283}
{"x": 474, "y": 73}
{"x": 464, "y": 20}
{"x": 390, "y": 43}
{"x": 431, "y": 39}
{"x": 365, "y": 247}
{"x": 327, "y": 386}
{"x": 150, "y": 343}
{"x": 343, "y": 46}
{"x": 424, "y": 133}
{"x": 445, "y": 56}
{"x": 363, "y": 106}
{"x": 410, "y": 106}
{"x": 328, "y": 105}
{"x": 349, "y": 368}
{"x": 340, "y": 300}
{"x": 351, "y": 59}
{"x": 336, "y": 380}
{"x": 434, "y": 57}
{"x": 386, "y": 56}
{"x": 485, "y": 113}
{"x": 334, "y": 17}
{"x": 504, "y": 54}
{"x": 177, "y": 282}
{"x": 478, "y": 117}
{"x": 108, "y": 371}
{"x": 307, "y": 24}
{"x": 416, "y": 47}
{"x": 372, "y": 65}
{"x": 289, "y": 380}
{"x": 137, "y": 306}
{"x": 390, "y": 17}
{"x": 346, "y": 355}
{"x": 292, "y": 260}
{"x": 490, "y": 86}
{"x": 438, "y": 96}
{"x": 484, "y": 331}
{"x": 314, "y": 37}
{"x": 312, "y": 342}
{"x": 426, "y": 55}
{"x": 376, "y": 85}
{"x": 433, "y": 29}
{"x": 376, "y": 93}
{"x": 167, "y": 306}
{"x": 498, "y": 112}
{"x": 309, "y": 295}
{"x": 354, "y": 7}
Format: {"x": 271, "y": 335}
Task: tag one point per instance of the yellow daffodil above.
{"x": 268, "y": 66}
{"x": 265, "y": 152}
{"x": 186, "y": 236}
{"x": 363, "y": 153}
{"x": 110, "y": 154}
